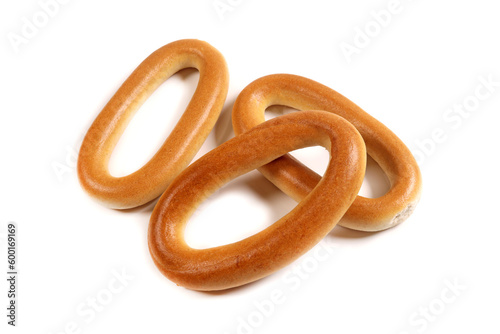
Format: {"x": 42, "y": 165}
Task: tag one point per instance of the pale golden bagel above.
{"x": 179, "y": 148}
{"x": 278, "y": 245}
{"x": 296, "y": 180}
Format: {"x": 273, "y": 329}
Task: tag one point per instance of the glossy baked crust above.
{"x": 281, "y": 243}
{"x": 297, "y": 180}
{"x": 182, "y": 144}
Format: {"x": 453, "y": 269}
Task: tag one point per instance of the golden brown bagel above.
{"x": 257, "y": 256}
{"x": 296, "y": 180}
{"x": 181, "y": 145}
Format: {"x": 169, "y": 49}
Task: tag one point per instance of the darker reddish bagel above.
{"x": 278, "y": 245}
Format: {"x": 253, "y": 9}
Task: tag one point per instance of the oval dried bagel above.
{"x": 179, "y": 148}
{"x": 257, "y": 256}
{"x": 296, "y": 180}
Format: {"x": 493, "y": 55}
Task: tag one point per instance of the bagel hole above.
{"x": 158, "y": 115}
{"x": 277, "y": 110}
{"x": 376, "y": 183}
{"x": 314, "y": 157}
{"x": 240, "y": 209}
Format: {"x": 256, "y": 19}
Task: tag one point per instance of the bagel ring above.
{"x": 296, "y": 180}
{"x": 291, "y": 236}
{"x": 182, "y": 144}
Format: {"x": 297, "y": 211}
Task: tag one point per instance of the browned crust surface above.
{"x": 179, "y": 148}
{"x": 297, "y": 180}
{"x": 278, "y": 245}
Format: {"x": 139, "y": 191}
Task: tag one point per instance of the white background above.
{"x": 428, "y": 58}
